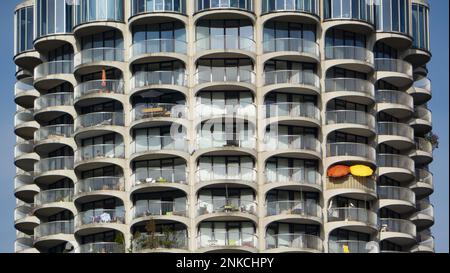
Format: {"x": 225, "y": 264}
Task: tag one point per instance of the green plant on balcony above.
{"x": 433, "y": 139}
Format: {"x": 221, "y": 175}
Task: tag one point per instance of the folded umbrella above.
{"x": 361, "y": 170}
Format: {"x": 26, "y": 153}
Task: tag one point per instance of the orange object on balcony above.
{"x": 361, "y": 170}
{"x": 338, "y": 171}
{"x": 103, "y": 77}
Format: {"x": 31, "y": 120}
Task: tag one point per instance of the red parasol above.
{"x": 338, "y": 171}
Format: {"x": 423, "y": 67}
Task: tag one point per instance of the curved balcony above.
{"x": 225, "y": 46}
{"x": 46, "y": 105}
{"x": 296, "y": 49}
{"x": 24, "y": 243}
{"x": 423, "y": 153}
{"x": 98, "y": 57}
{"x": 291, "y": 145}
{"x": 291, "y": 81}
{"x": 219, "y": 175}
{"x": 208, "y": 9}
{"x": 227, "y": 242}
{"x": 292, "y": 113}
{"x": 176, "y": 241}
{"x": 356, "y": 14}
{"x": 244, "y": 143}
{"x": 141, "y": 8}
{"x": 358, "y": 90}
{"x": 293, "y": 211}
{"x": 423, "y": 185}
{"x": 158, "y": 49}
{"x": 305, "y": 8}
{"x": 24, "y": 123}
{"x": 357, "y": 219}
{"x": 24, "y": 220}
{"x": 425, "y": 244}
{"x": 364, "y": 188}
{"x": 102, "y": 247}
{"x": 24, "y": 188}
{"x": 24, "y": 93}
{"x": 61, "y": 166}
{"x": 160, "y": 179}
{"x": 225, "y": 77}
{"x": 242, "y": 110}
{"x": 98, "y": 154}
{"x": 98, "y": 13}
{"x": 424, "y": 216}
{"x": 51, "y": 231}
{"x": 349, "y": 57}
{"x": 397, "y": 167}
{"x": 421, "y": 121}
{"x": 46, "y": 75}
{"x": 350, "y": 246}
{"x": 99, "y": 120}
{"x": 90, "y": 221}
{"x": 99, "y": 185}
{"x": 421, "y": 91}
{"x": 395, "y": 103}
{"x": 356, "y": 122}
{"x": 24, "y": 156}
{"x": 99, "y": 88}
{"x": 293, "y": 242}
{"x": 292, "y": 179}
{"x": 348, "y": 151}
{"x": 394, "y": 71}
{"x": 155, "y": 146}
{"x": 51, "y": 201}
{"x": 227, "y": 209}
{"x": 399, "y": 231}
{"x": 396, "y": 198}
{"x": 163, "y": 79}
{"x": 160, "y": 210}
{"x": 53, "y": 135}
{"x": 398, "y": 135}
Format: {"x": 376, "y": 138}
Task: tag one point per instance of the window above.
{"x": 348, "y": 9}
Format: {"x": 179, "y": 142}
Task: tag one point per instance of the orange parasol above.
{"x": 338, "y": 171}
{"x": 103, "y": 77}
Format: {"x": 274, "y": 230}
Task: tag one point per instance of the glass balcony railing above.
{"x": 53, "y": 131}
{"x": 291, "y": 77}
{"x": 23, "y": 148}
{"x": 100, "y": 216}
{"x": 294, "y": 240}
{"x": 23, "y": 242}
{"x": 23, "y": 116}
{"x": 168, "y": 240}
{"x": 349, "y": 10}
{"x": 347, "y": 246}
{"x": 222, "y": 140}
{"x": 99, "y": 87}
{"x": 241, "y": 109}
{"x": 423, "y": 83}
{"x": 158, "y": 143}
{"x": 292, "y": 109}
{"x": 158, "y": 46}
{"x": 297, "y": 45}
{"x": 142, "y": 6}
{"x": 53, "y": 228}
{"x": 349, "y": 53}
{"x": 353, "y": 214}
{"x": 424, "y": 176}
{"x": 102, "y": 247}
{"x": 393, "y": 65}
{"x": 159, "y": 208}
{"x": 146, "y": 78}
{"x": 366, "y": 184}
{"x": 424, "y": 208}
{"x": 423, "y": 145}
{"x": 54, "y": 195}
{"x": 225, "y": 74}
{"x": 350, "y": 85}
{"x": 227, "y": 239}
{"x": 350, "y": 117}
{"x": 53, "y": 164}
{"x": 100, "y": 183}
{"x": 102, "y": 54}
{"x": 159, "y": 175}
{"x": 421, "y": 112}
{"x": 53, "y": 99}
{"x": 397, "y": 225}
{"x": 23, "y": 178}
{"x": 396, "y": 193}
{"x": 306, "y": 6}
{"x": 226, "y": 205}
{"x": 395, "y": 161}
{"x": 225, "y": 42}
{"x": 351, "y": 149}
{"x": 290, "y": 142}
{"x": 23, "y": 210}
{"x": 23, "y": 86}
{"x": 224, "y": 173}
{"x": 99, "y": 119}
{"x": 202, "y": 5}
{"x": 395, "y": 129}
{"x": 87, "y": 11}
{"x": 293, "y": 175}
{"x": 395, "y": 97}
{"x": 99, "y": 151}
{"x": 158, "y": 110}
{"x": 53, "y": 68}
{"x": 291, "y": 207}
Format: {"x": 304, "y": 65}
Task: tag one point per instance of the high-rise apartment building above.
{"x": 223, "y": 126}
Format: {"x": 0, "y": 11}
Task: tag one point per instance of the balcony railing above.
{"x": 53, "y": 228}
{"x": 395, "y": 129}
{"x": 291, "y": 44}
{"x": 347, "y": 246}
{"x": 421, "y": 112}
{"x": 366, "y": 184}
{"x": 226, "y": 205}
{"x": 23, "y": 242}
{"x": 393, "y": 65}
{"x": 291, "y": 77}
{"x": 158, "y": 46}
{"x": 423, "y": 145}
{"x": 424, "y": 176}
{"x": 160, "y": 176}
{"x": 99, "y": 151}
{"x": 98, "y": 11}
{"x": 158, "y": 110}
{"x": 99, "y": 87}
{"x": 291, "y": 207}
{"x": 350, "y": 85}
{"x": 53, "y": 68}
{"x": 293, "y": 240}
{"x": 395, "y": 161}
{"x": 350, "y": 117}
{"x": 395, "y": 97}
{"x": 139, "y": 6}
{"x": 99, "y": 119}
{"x": 397, "y": 225}
{"x": 158, "y": 143}
{"x": 158, "y": 77}
{"x": 353, "y": 214}
{"x": 171, "y": 240}
{"x": 23, "y": 210}
{"x": 225, "y": 74}
{"x": 292, "y": 109}
{"x": 225, "y": 42}
{"x": 423, "y": 83}
{"x": 349, "y": 53}
{"x": 53, "y": 131}
{"x": 227, "y": 239}
{"x": 307, "y": 6}
{"x": 351, "y": 149}
{"x": 23, "y": 86}
{"x": 53, "y": 99}
{"x": 23, "y": 116}
{"x": 102, "y": 247}
{"x": 53, "y": 164}
{"x": 224, "y": 173}
{"x": 241, "y": 109}
{"x": 22, "y": 148}
{"x": 100, "y": 216}
{"x": 91, "y": 55}
{"x": 100, "y": 183}
{"x": 23, "y": 178}
{"x": 221, "y": 140}
{"x": 202, "y": 5}
{"x": 396, "y": 193}
{"x": 293, "y": 175}
{"x": 297, "y": 142}
{"x": 52, "y": 196}
{"x": 159, "y": 208}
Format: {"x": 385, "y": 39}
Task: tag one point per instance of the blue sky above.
{"x": 439, "y": 72}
